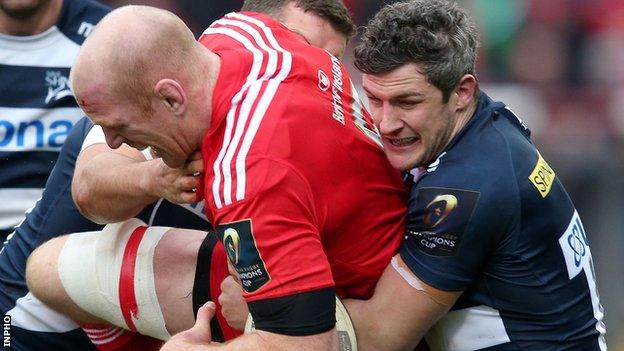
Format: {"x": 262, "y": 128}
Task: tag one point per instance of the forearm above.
{"x": 370, "y": 331}
{"x": 400, "y": 313}
{"x": 262, "y": 341}
{"x": 112, "y": 187}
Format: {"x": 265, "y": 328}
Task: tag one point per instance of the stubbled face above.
{"x": 316, "y": 30}
{"x": 21, "y": 9}
{"x": 123, "y": 123}
{"x": 414, "y": 122}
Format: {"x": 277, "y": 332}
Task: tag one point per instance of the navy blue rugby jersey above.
{"x": 53, "y": 215}
{"x": 490, "y": 217}
{"x": 37, "y": 109}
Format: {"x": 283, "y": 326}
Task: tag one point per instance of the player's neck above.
{"x": 214, "y": 69}
{"x": 38, "y": 22}
{"x": 464, "y": 117}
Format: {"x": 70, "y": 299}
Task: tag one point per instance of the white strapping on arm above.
{"x": 407, "y": 275}
{"x": 89, "y": 267}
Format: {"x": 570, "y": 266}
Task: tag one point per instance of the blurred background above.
{"x": 559, "y": 64}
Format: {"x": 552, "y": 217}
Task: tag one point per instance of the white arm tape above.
{"x": 408, "y": 276}
{"x": 89, "y": 267}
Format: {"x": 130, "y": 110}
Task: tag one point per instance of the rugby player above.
{"x": 276, "y": 194}
{"x": 332, "y": 45}
{"x": 492, "y": 235}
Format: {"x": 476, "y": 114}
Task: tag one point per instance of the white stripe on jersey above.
{"x": 15, "y": 204}
{"x": 102, "y": 339}
{"x": 263, "y": 105}
{"x": 36, "y": 129}
{"x": 251, "y": 79}
{"x": 245, "y": 111}
{"x": 31, "y": 314}
{"x": 35, "y": 50}
{"x": 254, "y": 84}
{"x": 578, "y": 258}
{"x": 472, "y": 328}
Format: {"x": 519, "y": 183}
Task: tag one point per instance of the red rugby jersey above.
{"x": 296, "y": 181}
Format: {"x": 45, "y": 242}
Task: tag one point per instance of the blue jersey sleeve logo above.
{"x": 438, "y": 219}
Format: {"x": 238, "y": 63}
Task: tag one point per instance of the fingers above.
{"x": 233, "y": 306}
{"x": 195, "y": 163}
{"x": 194, "y": 167}
{"x": 234, "y": 273}
{"x": 196, "y": 155}
{"x": 204, "y": 315}
{"x": 200, "y": 333}
{"x": 187, "y": 183}
{"x": 230, "y": 287}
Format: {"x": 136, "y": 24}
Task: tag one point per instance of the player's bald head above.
{"x": 130, "y": 49}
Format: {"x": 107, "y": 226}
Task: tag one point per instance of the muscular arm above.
{"x": 114, "y": 185}
{"x": 398, "y": 315}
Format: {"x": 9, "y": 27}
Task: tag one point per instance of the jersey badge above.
{"x": 440, "y": 219}
{"x": 58, "y": 86}
{"x": 542, "y": 176}
{"x": 575, "y": 246}
{"x": 241, "y": 249}
{"x": 323, "y": 81}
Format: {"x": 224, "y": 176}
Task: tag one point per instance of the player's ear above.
{"x": 172, "y": 95}
{"x": 465, "y": 91}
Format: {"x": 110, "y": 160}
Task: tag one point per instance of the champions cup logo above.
{"x": 231, "y": 241}
{"x": 439, "y": 209}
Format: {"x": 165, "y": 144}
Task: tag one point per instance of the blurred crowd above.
{"x": 560, "y": 65}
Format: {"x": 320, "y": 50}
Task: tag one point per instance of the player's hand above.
{"x": 233, "y": 306}
{"x": 177, "y": 185}
{"x": 198, "y": 335}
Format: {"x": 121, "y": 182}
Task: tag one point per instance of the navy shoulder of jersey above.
{"x": 467, "y": 197}
{"x": 490, "y": 218}
{"x": 79, "y": 17}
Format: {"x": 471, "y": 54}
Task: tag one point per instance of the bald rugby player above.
{"x": 355, "y": 273}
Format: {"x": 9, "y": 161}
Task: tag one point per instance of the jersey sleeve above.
{"x": 271, "y": 237}
{"x": 450, "y": 235}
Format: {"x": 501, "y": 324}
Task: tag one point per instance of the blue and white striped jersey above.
{"x": 491, "y": 218}
{"x": 55, "y": 214}
{"x": 37, "y": 109}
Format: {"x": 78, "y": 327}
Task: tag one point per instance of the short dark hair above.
{"x": 333, "y": 11}
{"x": 438, "y": 36}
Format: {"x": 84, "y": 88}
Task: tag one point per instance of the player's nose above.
{"x": 388, "y": 121}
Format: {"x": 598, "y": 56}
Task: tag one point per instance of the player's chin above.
{"x": 403, "y": 161}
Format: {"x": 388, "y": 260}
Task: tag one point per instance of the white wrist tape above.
{"x": 90, "y": 266}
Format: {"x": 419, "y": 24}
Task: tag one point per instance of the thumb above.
{"x": 200, "y": 333}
